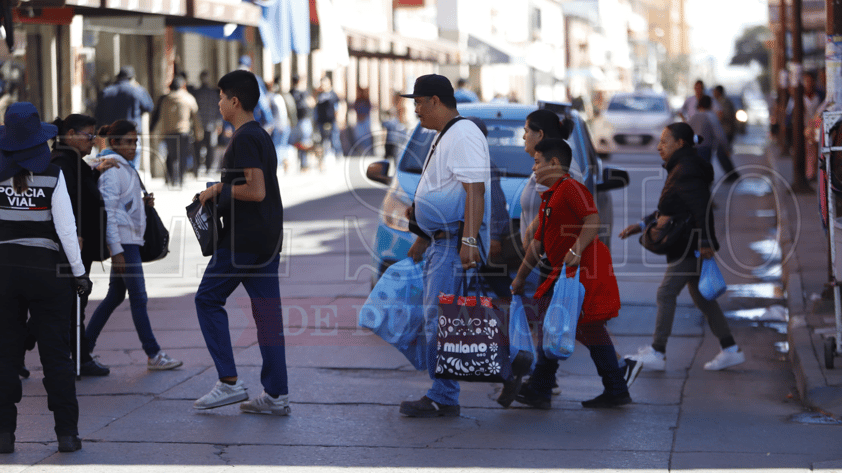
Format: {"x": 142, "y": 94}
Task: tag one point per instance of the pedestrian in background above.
{"x": 705, "y": 124}
{"x": 363, "y": 143}
{"x": 263, "y": 109}
{"x": 302, "y": 133}
{"x": 727, "y": 114}
{"x": 207, "y": 98}
{"x": 74, "y": 142}
{"x": 396, "y": 133}
{"x": 453, "y": 194}
{"x": 812, "y": 100}
{"x": 567, "y": 233}
{"x": 181, "y": 127}
{"x": 463, "y": 92}
{"x": 690, "y": 106}
{"x": 36, "y": 226}
{"x": 126, "y": 224}
{"x": 327, "y": 107}
{"x": 686, "y": 191}
{"x": 248, "y": 253}
{"x": 124, "y": 100}
{"x": 282, "y": 125}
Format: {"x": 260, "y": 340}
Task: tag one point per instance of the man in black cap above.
{"x": 127, "y": 100}
{"x": 452, "y": 209}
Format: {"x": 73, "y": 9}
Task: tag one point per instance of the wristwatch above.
{"x": 470, "y": 241}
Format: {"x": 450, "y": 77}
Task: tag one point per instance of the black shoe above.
{"x": 631, "y": 370}
{"x": 7, "y": 442}
{"x": 93, "y": 368}
{"x": 69, "y": 443}
{"x": 23, "y": 372}
{"x": 520, "y": 367}
{"x": 532, "y": 399}
{"x": 426, "y": 407}
{"x": 607, "y": 400}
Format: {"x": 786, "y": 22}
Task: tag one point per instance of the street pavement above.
{"x": 346, "y": 384}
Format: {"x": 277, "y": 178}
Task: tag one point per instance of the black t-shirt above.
{"x": 251, "y": 227}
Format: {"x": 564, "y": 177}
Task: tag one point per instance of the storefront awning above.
{"x": 285, "y": 27}
{"x": 225, "y": 11}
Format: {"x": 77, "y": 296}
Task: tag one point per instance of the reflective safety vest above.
{"x": 26, "y": 218}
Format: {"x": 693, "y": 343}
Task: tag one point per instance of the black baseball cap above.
{"x": 432, "y": 84}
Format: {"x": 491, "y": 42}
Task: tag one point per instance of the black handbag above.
{"x": 667, "y": 234}
{"x": 205, "y": 225}
{"x": 156, "y": 238}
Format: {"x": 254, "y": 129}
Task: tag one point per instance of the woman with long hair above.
{"x": 686, "y": 192}
{"x": 126, "y": 223}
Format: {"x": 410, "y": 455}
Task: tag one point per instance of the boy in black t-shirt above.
{"x": 248, "y": 253}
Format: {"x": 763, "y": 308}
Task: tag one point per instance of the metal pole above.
{"x": 799, "y": 180}
{"x": 781, "y": 77}
{"x": 78, "y": 337}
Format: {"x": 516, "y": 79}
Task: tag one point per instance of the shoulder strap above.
{"x": 142, "y": 187}
{"x": 438, "y": 138}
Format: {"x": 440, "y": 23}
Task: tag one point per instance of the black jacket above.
{"x": 88, "y": 207}
{"x": 687, "y": 191}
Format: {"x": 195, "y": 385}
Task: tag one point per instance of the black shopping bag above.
{"x": 472, "y": 339}
{"x": 205, "y": 225}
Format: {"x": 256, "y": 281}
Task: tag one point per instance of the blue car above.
{"x": 505, "y": 143}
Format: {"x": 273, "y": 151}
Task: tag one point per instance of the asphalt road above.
{"x": 345, "y": 384}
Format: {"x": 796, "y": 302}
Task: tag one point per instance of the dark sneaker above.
{"x": 532, "y": 399}
{"x": 93, "y": 368}
{"x": 7, "y": 442}
{"x": 607, "y": 400}
{"x": 69, "y": 443}
{"x": 23, "y": 372}
{"x": 631, "y": 370}
{"x": 426, "y": 407}
{"x": 520, "y": 367}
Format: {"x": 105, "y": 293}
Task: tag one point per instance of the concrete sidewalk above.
{"x": 804, "y": 243}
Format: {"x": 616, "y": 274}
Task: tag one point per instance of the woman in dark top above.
{"x": 686, "y": 192}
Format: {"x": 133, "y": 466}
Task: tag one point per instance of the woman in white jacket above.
{"x": 126, "y": 224}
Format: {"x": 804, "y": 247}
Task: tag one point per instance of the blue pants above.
{"x": 260, "y": 279}
{"x": 442, "y": 273}
{"x": 131, "y": 280}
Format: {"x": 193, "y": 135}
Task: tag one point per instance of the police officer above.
{"x": 36, "y": 224}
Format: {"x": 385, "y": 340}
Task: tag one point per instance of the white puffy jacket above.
{"x": 121, "y": 192}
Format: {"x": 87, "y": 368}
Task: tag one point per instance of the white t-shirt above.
{"x": 460, "y": 157}
{"x": 690, "y": 107}
{"x": 530, "y": 203}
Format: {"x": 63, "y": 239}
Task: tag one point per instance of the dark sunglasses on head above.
{"x": 88, "y": 136}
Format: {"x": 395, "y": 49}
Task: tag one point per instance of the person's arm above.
{"x": 109, "y": 188}
{"x": 254, "y": 189}
{"x": 530, "y": 260}
{"x": 590, "y": 229}
{"x": 65, "y": 226}
{"x": 474, "y": 208}
{"x": 198, "y": 127}
{"x": 530, "y": 231}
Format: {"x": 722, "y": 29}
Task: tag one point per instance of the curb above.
{"x": 809, "y": 378}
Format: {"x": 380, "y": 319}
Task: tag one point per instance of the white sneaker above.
{"x": 266, "y": 404}
{"x": 651, "y": 359}
{"x": 161, "y": 362}
{"x": 725, "y": 359}
{"x": 221, "y": 395}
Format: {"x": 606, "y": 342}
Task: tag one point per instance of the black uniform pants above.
{"x": 46, "y": 297}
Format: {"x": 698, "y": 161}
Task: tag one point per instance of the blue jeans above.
{"x": 131, "y": 280}
{"x": 442, "y": 273}
{"x": 260, "y": 279}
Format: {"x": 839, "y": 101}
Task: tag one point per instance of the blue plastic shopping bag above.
{"x": 520, "y": 337}
{"x": 563, "y": 315}
{"x": 711, "y": 282}
{"x": 394, "y": 311}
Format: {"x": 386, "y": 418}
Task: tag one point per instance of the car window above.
{"x": 505, "y": 145}
{"x": 637, "y": 103}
